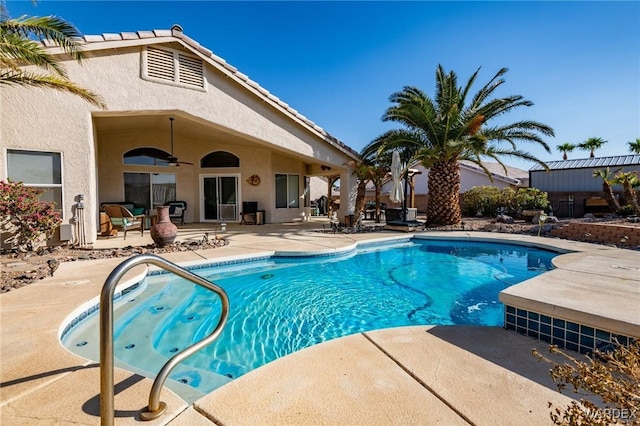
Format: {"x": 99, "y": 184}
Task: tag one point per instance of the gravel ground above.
{"x": 21, "y": 269}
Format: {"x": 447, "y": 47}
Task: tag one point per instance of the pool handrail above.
{"x": 156, "y": 407}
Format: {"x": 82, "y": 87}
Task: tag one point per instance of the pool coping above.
{"x": 34, "y": 372}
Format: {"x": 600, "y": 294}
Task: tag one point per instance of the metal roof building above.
{"x": 577, "y": 175}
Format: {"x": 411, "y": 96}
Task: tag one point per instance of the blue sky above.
{"x": 338, "y": 62}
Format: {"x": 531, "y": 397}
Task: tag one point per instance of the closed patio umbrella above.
{"x": 397, "y": 194}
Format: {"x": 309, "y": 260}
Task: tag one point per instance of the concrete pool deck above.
{"x": 411, "y": 375}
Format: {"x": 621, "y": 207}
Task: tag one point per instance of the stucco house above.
{"x": 470, "y": 175}
{"x": 234, "y": 141}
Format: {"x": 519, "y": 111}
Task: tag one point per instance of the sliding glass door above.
{"x": 149, "y": 190}
{"x": 219, "y": 198}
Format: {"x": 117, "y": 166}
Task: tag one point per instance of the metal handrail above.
{"x": 156, "y": 407}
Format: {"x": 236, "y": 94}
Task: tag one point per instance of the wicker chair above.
{"x": 122, "y": 219}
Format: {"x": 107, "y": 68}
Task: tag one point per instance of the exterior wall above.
{"x": 469, "y": 179}
{"x": 317, "y": 187}
{"x": 567, "y": 180}
{"x": 46, "y": 120}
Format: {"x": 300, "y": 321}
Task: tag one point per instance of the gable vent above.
{"x": 160, "y": 64}
{"x": 173, "y": 67}
{"x": 190, "y": 71}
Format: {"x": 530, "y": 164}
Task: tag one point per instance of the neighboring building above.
{"x": 470, "y": 175}
{"x": 242, "y": 142}
{"x": 570, "y": 182}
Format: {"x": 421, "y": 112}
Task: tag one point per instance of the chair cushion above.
{"x": 137, "y": 211}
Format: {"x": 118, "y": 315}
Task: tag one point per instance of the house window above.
{"x": 149, "y": 190}
{"x": 146, "y": 157}
{"x": 173, "y": 67}
{"x": 219, "y": 159}
{"x": 38, "y": 169}
{"x": 287, "y": 190}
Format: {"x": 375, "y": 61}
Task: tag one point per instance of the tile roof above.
{"x": 513, "y": 175}
{"x": 177, "y": 33}
{"x": 585, "y": 163}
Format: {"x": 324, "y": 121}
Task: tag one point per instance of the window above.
{"x": 219, "y": 159}
{"x": 147, "y": 157}
{"x": 169, "y": 66}
{"x": 149, "y": 189}
{"x": 38, "y": 169}
{"x": 287, "y": 190}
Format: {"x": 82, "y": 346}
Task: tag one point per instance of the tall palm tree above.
{"x": 20, "y": 48}
{"x": 591, "y": 145}
{"x": 607, "y": 180}
{"x": 564, "y": 148}
{"x": 634, "y": 147}
{"x": 450, "y": 127}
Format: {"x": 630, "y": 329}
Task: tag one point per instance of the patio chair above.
{"x": 122, "y": 219}
{"x": 176, "y": 210}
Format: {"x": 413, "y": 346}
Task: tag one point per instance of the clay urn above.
{"x": 164, "y": 231}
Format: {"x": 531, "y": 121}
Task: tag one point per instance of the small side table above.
{"x": 153, "y": 219}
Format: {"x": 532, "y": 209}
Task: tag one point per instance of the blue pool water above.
{"x": 281, "y": 305}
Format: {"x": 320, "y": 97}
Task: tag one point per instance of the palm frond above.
{"x": 23, "y": 51}
{"x": 51, "y": 28}
{"x": 11, "y": 77}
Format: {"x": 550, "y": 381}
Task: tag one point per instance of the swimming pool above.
{"x": 282, "y": 304}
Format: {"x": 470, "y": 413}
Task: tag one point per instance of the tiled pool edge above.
{"x": 561, "y": 332}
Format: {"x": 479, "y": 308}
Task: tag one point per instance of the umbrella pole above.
{"x": 404, "y": 201}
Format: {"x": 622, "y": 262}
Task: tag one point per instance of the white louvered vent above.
{"x": 173, "y": 67}
{"x": 190, "y": 71}
{"x": 160, "y": 64}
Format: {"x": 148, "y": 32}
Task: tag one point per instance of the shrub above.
{"x": 483, "y": 199}
{"x": 612, "y": 375}
{"x": 22, "y": 214}
{"x": 531, "y": 198}
{"x": 488, "y": 200}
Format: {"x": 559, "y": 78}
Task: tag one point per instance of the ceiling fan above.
{"x": 172, "y": 159}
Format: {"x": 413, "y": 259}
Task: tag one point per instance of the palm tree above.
{"x": 591, "y": 145}
{"x": 441, "y": 131}
{"x": 564, "y": 148}
{"x": 607, "y": 180}
{"x": 629, "y": 182}
{"x": 634, "y": 147}
{"x": 362, "y": 169}
{"x": 20, "y": 46}
{"x": 378, "y": 172}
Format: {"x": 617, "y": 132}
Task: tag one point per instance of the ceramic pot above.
{"x": 164, "y": 231}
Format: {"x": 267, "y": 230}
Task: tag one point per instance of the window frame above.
{"x": 296, "y": 198}
{"x": 152, "y": 205}
{"x": 60, "y": 207}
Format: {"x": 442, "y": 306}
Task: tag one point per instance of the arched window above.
{"x": 147, "y": 157}
{"x": 220, "y": 159}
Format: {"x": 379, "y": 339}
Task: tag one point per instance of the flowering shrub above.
{"x": 22, "y": 214}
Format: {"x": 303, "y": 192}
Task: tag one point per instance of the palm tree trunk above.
{"x": 443, "y": 204}
{"x": 614, "y": 205}
{"x": 360, "y": 196}
{"x": 630, "y": 196}
{"x": 377, "y": 203}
